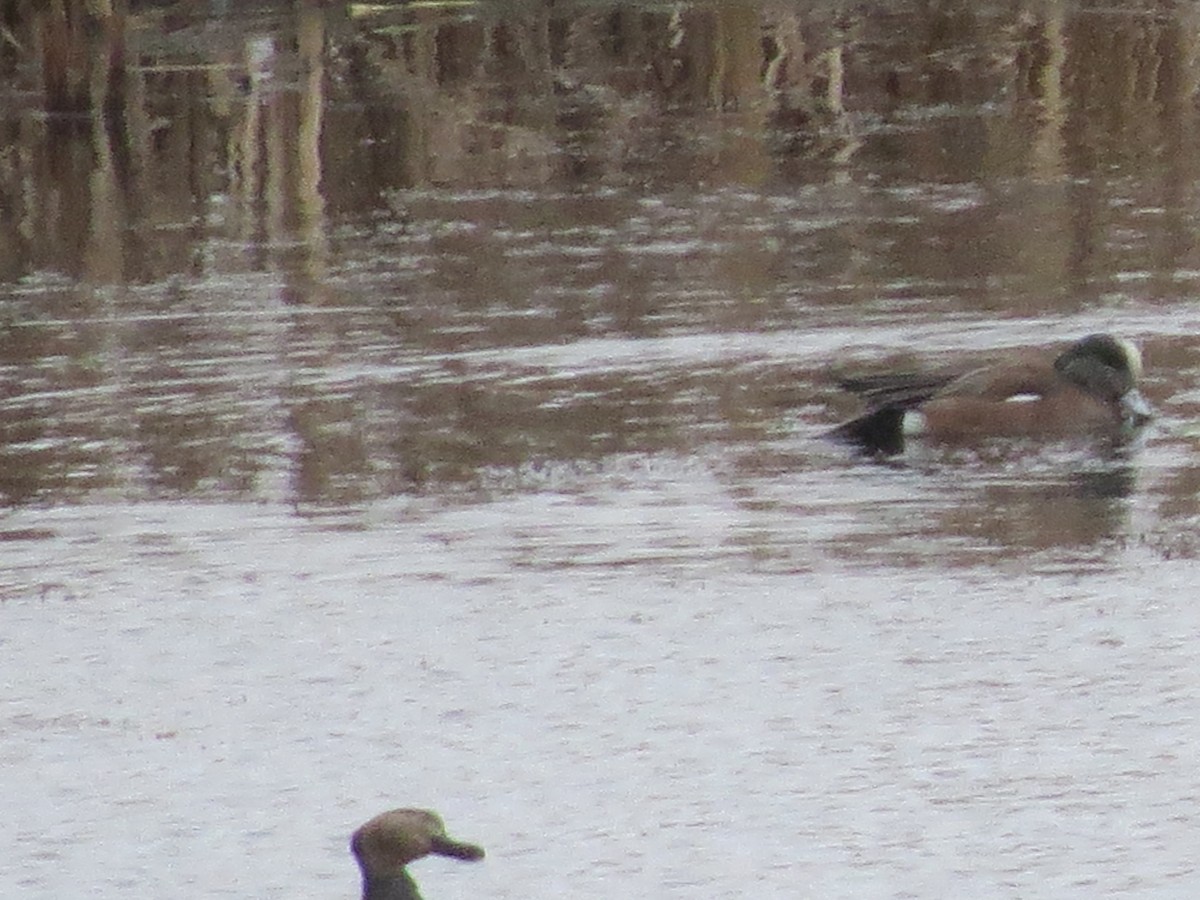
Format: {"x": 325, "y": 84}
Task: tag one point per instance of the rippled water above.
{"x": 485, "y": 471}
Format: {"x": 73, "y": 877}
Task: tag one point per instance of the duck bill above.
{"x": 445, "y": 846}
{"x": 1135, "y": 411}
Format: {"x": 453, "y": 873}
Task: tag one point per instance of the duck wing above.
{"x": 900, "y": 390}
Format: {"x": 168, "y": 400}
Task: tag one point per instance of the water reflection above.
{"x": 1034, "y": 507}
{"x": 333, "y": 255}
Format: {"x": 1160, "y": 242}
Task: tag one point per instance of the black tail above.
{"x": 878, "y": 432}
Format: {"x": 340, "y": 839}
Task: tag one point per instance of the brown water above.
{"x": 424, "y": 407}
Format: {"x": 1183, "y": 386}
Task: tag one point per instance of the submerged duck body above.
{"x": 385, "y": 845}
{"x": 1088, "y": 389}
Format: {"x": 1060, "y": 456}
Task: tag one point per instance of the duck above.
{"x": 386, "y": 844}
{"x": 1088, "y": 388}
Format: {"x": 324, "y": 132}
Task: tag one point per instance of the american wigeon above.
{"x": 391, "y": 840}
{"x": 1088, "y": 389}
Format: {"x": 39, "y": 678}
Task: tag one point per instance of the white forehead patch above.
{"x": 1133, "y": 357}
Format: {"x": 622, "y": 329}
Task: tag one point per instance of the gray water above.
{"x": 429, "y": 412}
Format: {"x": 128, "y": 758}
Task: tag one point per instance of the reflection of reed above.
{"x": 80, "y": 45}
{"x": 517, "y": 96}
{"x": 311, "y": 54}
{"x": 535, "y": 95}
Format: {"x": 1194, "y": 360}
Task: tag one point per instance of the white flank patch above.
{"x": 914, "y": 422}
{"x": 1023, "y": 398}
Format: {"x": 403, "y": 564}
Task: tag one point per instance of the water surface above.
{"x": 424, "y": 406}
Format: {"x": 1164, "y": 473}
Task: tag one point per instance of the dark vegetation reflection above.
{"x": 330, "y": 254}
